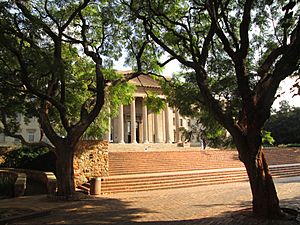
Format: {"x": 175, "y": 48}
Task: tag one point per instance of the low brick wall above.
{"x": 18, "y": 180}
{"x": 90, "y": 160}
{"x": 46, "y": 178}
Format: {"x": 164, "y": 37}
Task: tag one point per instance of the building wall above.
{"x": 30, "y": 132}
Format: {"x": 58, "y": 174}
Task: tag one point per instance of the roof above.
{"x": 142, "y": 80}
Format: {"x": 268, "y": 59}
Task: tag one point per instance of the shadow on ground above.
{"x": 90, "y": 211}
{"x": 114, "y": 211}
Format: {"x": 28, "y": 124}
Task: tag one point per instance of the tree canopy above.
{"x": 183, "y": 93}
{"x": 284, "y": 125}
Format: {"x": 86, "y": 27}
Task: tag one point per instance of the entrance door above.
{"x": 137, "y": 131}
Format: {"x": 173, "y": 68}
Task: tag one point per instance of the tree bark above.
{"x": 265, "y": 202}
{"x": 65, "y": 172}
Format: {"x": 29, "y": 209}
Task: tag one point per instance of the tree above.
{"x": 284, "y": 125}
{"x": 183, "y": 93}
{"x": 54, "y": 58}
{"x": 258, "y": 44}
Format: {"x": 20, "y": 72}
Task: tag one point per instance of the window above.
{"x": 181, "y": 122}
{"x": 31, "y": 135}
{"x": 19, "y": 117}
{"x": 189, "y": 122}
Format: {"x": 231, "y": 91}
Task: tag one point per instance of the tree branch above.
{"x": 167, "y": 48}
{"x": 228, "y": 27}
{"x": 207, "y": 41}
{"x": 212, "y": 104}
{"x": 227, "y": 47}
{"x": 166, "y": 62}
{"x": 86, "y": 118}
{"x": 35, "y": 20}
{"x": 50, "y": 15}
{"x": 272, "y": 57}
{"x": 74, "y": 14}
{"x": 139, "y": 55}
{"x": 244, "y": 29}
{"x": 284, "y": 67}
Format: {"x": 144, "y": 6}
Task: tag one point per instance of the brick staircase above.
{"x": 145, "y": 170}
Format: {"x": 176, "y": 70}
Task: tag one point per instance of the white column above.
{"x": 145, "y": 123}
{"x": 133, "y": 122}
{"x": 167, "y": 124}
{"x": 108, "y": 134}
{"x": 121, "y": 126}
{"x": 157, "y": 137}
{"x": 177, "y": 134}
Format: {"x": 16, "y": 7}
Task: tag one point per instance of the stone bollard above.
{"x": 95, "y": 188}
{"x": 20, "y": 184}
{"x": 51, "y": 183}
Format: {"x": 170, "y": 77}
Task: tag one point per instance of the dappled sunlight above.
{"x": 97, "y": 211}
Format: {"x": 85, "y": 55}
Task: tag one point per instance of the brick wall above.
{"x": 90, "y": 160}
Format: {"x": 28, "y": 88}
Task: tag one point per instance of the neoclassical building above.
{"x": 137, "y": 124}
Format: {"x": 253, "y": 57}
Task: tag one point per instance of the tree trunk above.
{"x": 65, "y": 172}
{"x": 265, "y": 201}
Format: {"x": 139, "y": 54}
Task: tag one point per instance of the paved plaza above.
{"x": 215, "y": 204}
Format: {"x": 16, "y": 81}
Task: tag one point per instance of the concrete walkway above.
{"x": 216, "y": 204}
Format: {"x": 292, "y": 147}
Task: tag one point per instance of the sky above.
{"x": 286, "y": 94}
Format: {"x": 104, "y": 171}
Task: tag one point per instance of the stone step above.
{"x": 172, "y": 185}
{"x": 152, "y": 170}
{"x": 140, "y": 170}
{"x": 121, "y": 163}
{"x": 146, "y": 182}
{"x": 193, "y": 174}
{"x": 85, "y": 188}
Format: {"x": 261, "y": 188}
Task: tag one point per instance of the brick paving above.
{"x": 216, "y": 204}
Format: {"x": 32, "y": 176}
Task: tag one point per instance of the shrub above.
{"x": 293, "y": 145}
{"x": 18, "y": 157}
{"x": 6, "y": 187}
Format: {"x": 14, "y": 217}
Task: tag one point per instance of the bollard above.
{"x": 95, "y": 186}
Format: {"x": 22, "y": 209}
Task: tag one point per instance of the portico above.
{"x": 137, "y": 124}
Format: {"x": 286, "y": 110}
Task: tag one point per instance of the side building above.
{"x": 30, "y": 130}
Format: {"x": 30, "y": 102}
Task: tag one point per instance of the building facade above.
{"x": 30, "y": 130}
{"x": 137, "y": 124}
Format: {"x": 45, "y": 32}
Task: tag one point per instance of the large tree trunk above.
{"x": 265, "y": 201}
{"x": 65, "y": 173}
